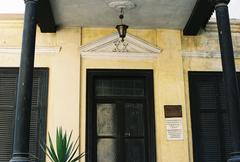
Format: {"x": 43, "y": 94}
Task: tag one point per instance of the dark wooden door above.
{"x": 120, "y": 116}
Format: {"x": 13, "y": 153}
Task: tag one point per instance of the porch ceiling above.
{"x": 172, "y": 14}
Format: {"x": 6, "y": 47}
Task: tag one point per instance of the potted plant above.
{"x": 65, "y": 149}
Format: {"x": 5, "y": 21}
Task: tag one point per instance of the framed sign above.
{"x": 173, "y": 111}
{"x": 173, "y": 121}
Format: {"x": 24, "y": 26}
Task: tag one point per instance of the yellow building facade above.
{"x": 63, "y": 54}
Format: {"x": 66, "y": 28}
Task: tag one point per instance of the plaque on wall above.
{"x": 173, "y": 121}
{"x": 173, "y": 111}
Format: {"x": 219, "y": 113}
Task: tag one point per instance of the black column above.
{"x": 229, "y": 74}
{"x": 24, "y": 87}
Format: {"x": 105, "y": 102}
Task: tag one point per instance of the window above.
{"x": 120, "y": 124}
{"x": 212, "y": 140}
{"x": 8, "y": 86}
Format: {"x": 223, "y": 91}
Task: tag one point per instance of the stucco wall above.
{"x": 60, "y": 52}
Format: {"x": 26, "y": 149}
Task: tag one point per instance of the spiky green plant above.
{"x": 65, "y": 150}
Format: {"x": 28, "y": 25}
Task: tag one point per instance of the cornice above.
{"x": 212, "y": 26}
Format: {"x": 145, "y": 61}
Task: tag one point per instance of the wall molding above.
{"x": 119, "y": 55}
{"x": 38, "y": 50}
{"x": 207, "y": 54}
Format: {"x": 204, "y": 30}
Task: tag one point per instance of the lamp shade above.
{"x": 122, "y": 31}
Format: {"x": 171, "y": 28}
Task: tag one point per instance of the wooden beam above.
{"x": 45, "y": 19}
{"x": 201, "y": 13}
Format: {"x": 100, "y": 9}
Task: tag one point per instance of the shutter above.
{"x": 8, "y": 83}
{"x": 8, "y": 86}
{"x": 226, "y": 130}
{"x": 34, "y": 119}
{"x": 210, "y": 121}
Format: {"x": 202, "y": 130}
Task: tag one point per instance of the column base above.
{"x": 235, "y": 157}
{"x": 19, "y": 159}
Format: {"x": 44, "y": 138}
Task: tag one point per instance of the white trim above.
{"x": 207, "y": 54}
{"x": 38, "y": 50}
{"x": 119, "y": 55}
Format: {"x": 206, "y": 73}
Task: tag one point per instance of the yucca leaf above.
{"x": 65, "y": 150}
{"x": 74, "y": 150}
{"x": 60, "y": 143}
{"x": 69, "y": 138}
{"x": 51, "y": 149}
{"x": 33, "y": 156}
{"x": 65, "y": 147}
{"x": 69, "y": 147}
{"x": 76, "y": 143}
{"x": 68, "y": 153}
{"x": 78, "y": 157}
{"x": 49, "y": 156}
{"x": 82, "y": 154}
{"x": 73, "y": 154}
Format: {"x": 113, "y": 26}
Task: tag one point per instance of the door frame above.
{"x": 150, "y": 116}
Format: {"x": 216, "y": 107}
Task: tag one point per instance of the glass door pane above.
{"x": 106, "y": 119}
{"x": 107, "y": 131}
{"x": 119, "y": 87}
{"x": 134, "y": 150}
{"x": 134, "y": 120}
{"x": 106, "y": 150}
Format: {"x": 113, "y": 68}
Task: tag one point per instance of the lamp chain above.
{"x": 121, "y": 16}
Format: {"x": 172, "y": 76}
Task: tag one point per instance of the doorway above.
{"x": 120, "y": 116}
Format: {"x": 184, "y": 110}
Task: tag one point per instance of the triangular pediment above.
{"x": 111, "y": 46}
